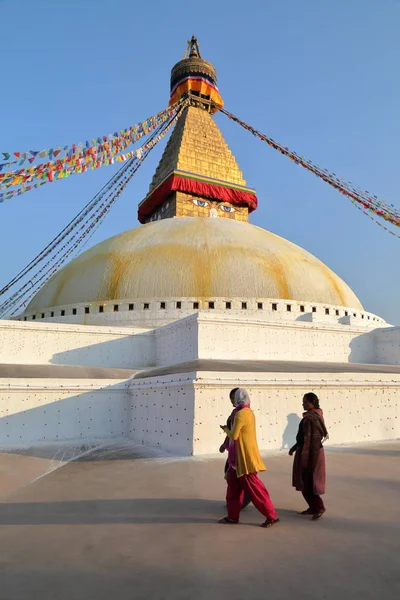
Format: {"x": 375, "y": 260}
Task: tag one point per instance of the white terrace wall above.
{"x": 387, "y": 346}
{"x": 43, "y": 343}
{"x": 178, "y": 342}
{"x": 181, "y": 413}
{"x": 45, "y": 411}
{"x": 202, "y": 335}
{"x": 162, "y": 412}
{"x": 357, "y": 407}
{"x": 244, "y": 340}
{"x": 158, "y": 413}
{"x": 221, "y": 337}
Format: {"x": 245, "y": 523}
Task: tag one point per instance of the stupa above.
{"x": 196, "y": 250}
{"x": 196, "y": 300}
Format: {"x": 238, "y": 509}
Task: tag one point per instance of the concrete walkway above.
{"x": 117, "y": 526}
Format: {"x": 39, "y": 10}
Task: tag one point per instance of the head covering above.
{"x": 241, "y": 397}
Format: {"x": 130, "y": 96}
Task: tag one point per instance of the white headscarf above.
{"x": 241, "y": 397}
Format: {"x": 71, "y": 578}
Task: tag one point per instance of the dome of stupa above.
{"x": 198, "y": 258}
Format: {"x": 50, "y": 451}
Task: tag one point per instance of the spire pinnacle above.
{"x": 193, "y": 48}
{"x": 195, "y": 77}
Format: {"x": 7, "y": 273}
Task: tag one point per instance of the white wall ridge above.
{"x": 210, "y": 379}
{"x": 162, "y": 381}
{"x": 72, "y": 328}
{"x": 165, "y": 329}
{"x": 325, "y": 326}
{"x": 114, "y": 385}
{"x": 148, "y": 313}
{"x": 76, "y": 346}
{"x": 388, "y": 330}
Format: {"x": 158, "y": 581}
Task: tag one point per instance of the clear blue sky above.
{"x": 322, "y": 77}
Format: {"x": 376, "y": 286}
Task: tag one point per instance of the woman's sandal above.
{"x": 228, "y": 521}
{"x": 307, "y": 512}
{"x": 270, "y": 522}
{"x": 318, "y": 515}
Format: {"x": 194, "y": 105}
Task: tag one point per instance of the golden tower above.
{"x": 197, "y": 175}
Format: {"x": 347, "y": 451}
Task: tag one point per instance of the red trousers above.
{"x": 314, "y": 501}
{"x": 254, "y": 488}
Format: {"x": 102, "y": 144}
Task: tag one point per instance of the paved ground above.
{"x": 117, "y": 526}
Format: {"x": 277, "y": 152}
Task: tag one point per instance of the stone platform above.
{"x": 120, "y": 524}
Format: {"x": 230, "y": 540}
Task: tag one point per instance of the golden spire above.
{"x": 197, "y": 175}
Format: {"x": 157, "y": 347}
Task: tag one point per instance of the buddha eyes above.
{"x": 201, "y": 203}
{"x": 205, "y": 203}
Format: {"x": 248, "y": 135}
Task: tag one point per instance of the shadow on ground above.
{"x": 152, "y": 511}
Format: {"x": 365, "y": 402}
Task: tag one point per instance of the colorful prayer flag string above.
{"x": 363, "y": 199}
{"x": 82, "y": 159}
{"x": 364, "y": 212}
{"x": 19, "y": 191}
{"x": 72, "y": 149}
{"x": 92, "y": 216}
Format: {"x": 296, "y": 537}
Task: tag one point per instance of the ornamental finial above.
{"x": 193, "y": 48}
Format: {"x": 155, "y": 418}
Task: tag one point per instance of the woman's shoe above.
{"x": 228, "y": 521}
{"x": 270, "y": 522}
{"x": 307, "y": 512}
{"x": 318, "y": 515}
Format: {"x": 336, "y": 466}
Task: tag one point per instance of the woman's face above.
{"x": 306, "y": 404}
{"x": 232, "y": 399}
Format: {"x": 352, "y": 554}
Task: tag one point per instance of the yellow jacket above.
{"x": 248, "y": 454}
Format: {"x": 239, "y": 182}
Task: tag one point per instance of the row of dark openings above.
{"x": 211, "y": 305}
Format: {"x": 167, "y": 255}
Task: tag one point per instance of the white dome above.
{"x": 197, "y": 258}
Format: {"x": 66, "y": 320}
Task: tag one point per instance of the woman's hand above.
{"x": 291, "y": 451}
{"x": 222, "y": 448}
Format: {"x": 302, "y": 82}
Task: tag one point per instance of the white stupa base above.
{"x": 168, "y": 387}
{"x": 180, "y": 413}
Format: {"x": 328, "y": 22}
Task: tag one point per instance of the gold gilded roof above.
{"x": 198, "y": 146}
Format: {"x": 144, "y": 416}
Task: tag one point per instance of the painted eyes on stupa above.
{"x": 204, "y": 204}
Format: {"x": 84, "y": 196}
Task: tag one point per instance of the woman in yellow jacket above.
{"x": 244, "y": 463}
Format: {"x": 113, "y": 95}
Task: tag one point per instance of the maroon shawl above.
{"x": 310, "y": 455}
